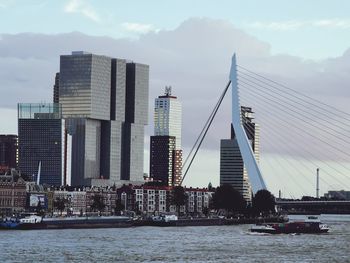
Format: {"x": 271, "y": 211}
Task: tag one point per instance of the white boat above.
{"x": 32, "y": 219}
{"x": 263, "y": 228}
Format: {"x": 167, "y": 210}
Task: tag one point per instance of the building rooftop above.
{"x": 39, "y": 111}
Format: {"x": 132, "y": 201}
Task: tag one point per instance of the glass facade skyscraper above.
{"x": 232, "y": 170}
{"x": 40, "y": 140}
{"x": 105, "y": 104}
{"x": 165, "y": 149}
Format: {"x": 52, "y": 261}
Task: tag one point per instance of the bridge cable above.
{"x": 216, "y": 108}
{"x": 291, "y": 176}
{"x": 288, "y": 100}
{"x": 295, "y": 126}
{"x": 283, "y": 109}
{"x": 297, "y": 92}
{"x": 271, "y": 114}
{"x": 290, "y": 153}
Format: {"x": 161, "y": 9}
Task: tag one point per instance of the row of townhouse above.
{"x": 23, "y": 196}
{"x": 158, "y": 199}
{"x": 147, "y": 200}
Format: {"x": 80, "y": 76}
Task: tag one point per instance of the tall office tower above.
{"x": 232, "y": 170}
{"x": 95, "y": 104}
{"x": 8, "y": 152}
{"x": 167, "y": 116}
{"x": 136, "y": 117}
{"x": 40, "y": 141}
{"x": 166, "y": 153}
{"x": 56, "y": 87}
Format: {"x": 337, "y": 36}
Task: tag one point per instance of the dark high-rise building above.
{"x": 162, "y": 158}
{"x": 136, "y": 117}
{"x": 8, "y": 152}
{"x": 105, "y": 104}
{"x": 165, "y": 150}
{"x": 232, "y": 169}
{"x": 40, "y": 141}
{"x": 56, "y": 88}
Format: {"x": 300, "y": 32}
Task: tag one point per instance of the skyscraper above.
{"x": 56, "y": 86}
{"x": 8, "y": 152}
{"x": 165, "y": 149}
{"x": 40, "y": 140}
{"x": 136, "y": 117}
{"x": 232, "y": 170}
{"x": 167, "y": 116}
{"x": 104, "y": 101}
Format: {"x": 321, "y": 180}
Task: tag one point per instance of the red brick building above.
{"x": 12, "y": 194}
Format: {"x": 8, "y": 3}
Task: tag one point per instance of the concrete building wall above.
{"x": 136, "y": 152}
{"x": 116, "y": 151}
{"x": 76, "y": 129}
{"x": 92, "y": 148}
{"x": 137, "y": 86}
{"x": 111, "y": 147}
{"x": 136, "y": 117}
{"x": 75, "y": 85}
{"x": 84, "y": 86}
{"x": 119, "y": 80}
{"x": 100, "y": 87}
{"x": 109, "y": 100}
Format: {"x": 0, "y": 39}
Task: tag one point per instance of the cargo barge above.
{"x": 37, "y": 222}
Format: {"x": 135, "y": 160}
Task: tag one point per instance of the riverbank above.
{"x": 210, "y": 221}
{"x": 122, "y": 222}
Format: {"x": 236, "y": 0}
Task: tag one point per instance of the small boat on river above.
{"x": 312, "y": 225}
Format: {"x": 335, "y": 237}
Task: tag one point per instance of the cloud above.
{"x": 335, "y": 23}
{"x": 83, "y": 8}
{"x": 139, "y": 28}
{"x": 194, "y": 59}
{"x": 279, "y": 26}
{"x": 5, "y": 3}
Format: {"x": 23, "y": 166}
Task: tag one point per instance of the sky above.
{"x": 188, "y": 44}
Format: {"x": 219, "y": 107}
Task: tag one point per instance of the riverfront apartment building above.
{"x": 165, "y": 148}
{"x": 104, "y": 103}
{"x": 8, "y": 152}
{"x": 152, "y": 200}
{"x": 13, "y": 194}
{"x": 40, "y": 142}
{"x": 232, "y": 170}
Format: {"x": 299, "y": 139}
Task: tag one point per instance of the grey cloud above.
{"x": 194, "y": 58}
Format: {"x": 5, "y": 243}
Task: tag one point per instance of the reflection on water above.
{"x": 177, "y": 244}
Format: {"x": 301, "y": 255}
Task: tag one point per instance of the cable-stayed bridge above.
{"x": 298, "y": 135}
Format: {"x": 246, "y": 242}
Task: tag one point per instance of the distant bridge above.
{"x": 316, "y": 206}
{"x": 306, "y": 141}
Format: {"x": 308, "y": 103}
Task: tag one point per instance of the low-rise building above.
{"x": 12, "y": 193}
{"x": 75, "y": 202}
{"x": 157, "y": 199}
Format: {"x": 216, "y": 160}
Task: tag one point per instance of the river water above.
{"x": 177, "y": 244}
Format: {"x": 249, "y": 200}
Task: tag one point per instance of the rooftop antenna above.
{"x": 168, "y": 90}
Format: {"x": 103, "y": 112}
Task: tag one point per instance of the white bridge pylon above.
{"x": 254, "y": 174}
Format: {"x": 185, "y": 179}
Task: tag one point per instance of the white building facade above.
{"x": 168, "y": 116}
